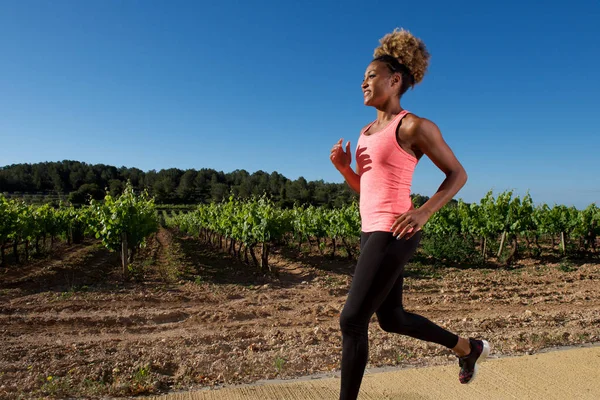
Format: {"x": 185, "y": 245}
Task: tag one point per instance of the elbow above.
{"x": 464, "y": 177}
{"x": 458, "y": 177}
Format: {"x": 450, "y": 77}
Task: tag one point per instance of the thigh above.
{"x": 375, "y": 275}
{"x": 399, "y": 255}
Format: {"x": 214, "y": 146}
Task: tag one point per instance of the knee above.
{"x": 352, "y": 324}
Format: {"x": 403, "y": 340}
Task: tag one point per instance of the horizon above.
{"x": 495, "y": 193}
{"x": 271, "y": 88}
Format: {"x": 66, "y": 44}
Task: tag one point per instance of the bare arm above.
{"x": 352, "y": 178}
{"x": 342, "y": 160}
{"x": 429, "y": 140}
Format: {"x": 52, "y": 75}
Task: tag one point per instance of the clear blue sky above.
{"x": 272, "y": 85}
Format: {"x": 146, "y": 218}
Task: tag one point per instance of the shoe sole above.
{"x": 484, "y": 354}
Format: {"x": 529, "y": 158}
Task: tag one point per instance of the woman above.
{"x": 387, "y": 152}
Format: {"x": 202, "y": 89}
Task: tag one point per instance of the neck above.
{"x": 388, "y": 111}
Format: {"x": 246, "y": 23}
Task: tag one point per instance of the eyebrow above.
{"x": 369, "y": 71}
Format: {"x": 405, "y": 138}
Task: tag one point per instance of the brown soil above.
{"x": 191, "y": 317}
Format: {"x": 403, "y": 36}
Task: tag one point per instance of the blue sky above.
{"x": 272, "y": 85}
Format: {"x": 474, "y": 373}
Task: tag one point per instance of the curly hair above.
{"x": 410, "y": 53}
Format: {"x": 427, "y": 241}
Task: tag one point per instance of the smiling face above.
{"x": 380, "y": 84}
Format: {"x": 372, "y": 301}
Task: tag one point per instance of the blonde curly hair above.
{"x": 409, "y": 50}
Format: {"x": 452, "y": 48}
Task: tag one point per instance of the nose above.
{"x": 364, "y": 84}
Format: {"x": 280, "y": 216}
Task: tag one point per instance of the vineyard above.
{"x": 243, "y": 290}
{"x": 503, "y": 227}
{"x": 122, "y": 224}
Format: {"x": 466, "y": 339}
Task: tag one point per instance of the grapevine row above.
{"x": 249, "y": 226}
{"x": 245, "y": 228}
{"x": 128, "y": 219}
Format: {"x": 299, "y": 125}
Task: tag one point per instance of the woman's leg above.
{"x": 393, "y": 318}
{"x": 376, "y": 274}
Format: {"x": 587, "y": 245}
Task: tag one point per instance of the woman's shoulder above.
{"x": 413, "y": 124}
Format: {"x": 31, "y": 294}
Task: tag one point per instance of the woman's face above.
{"x": 379, "y": 84}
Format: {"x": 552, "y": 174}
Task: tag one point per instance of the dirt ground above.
{"x": 192, "y": 318}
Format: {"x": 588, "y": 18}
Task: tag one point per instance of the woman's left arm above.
{"x": 428, "y": 139}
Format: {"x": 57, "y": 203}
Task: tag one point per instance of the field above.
{"x": 192, "y": 318}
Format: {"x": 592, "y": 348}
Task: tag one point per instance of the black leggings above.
{"x": 377, "y": 288}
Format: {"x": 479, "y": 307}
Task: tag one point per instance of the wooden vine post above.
{"x": 124, "y": 253}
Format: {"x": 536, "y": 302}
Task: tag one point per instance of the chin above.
{"x": 368, "y": 103}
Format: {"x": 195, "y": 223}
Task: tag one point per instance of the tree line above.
{"x": 78, "y": 181}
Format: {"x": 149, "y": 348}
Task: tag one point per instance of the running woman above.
{"x": 387, "y": 152}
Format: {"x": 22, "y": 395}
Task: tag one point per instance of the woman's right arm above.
{"x": 342, "y": 160}
{"x": 352, "y": 179}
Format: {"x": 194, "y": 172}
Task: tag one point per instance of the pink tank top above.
{"x": 386, "y": 172}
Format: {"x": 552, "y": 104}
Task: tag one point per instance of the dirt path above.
{"x": 196, "y": 318}
{"x": 560, "y": 375}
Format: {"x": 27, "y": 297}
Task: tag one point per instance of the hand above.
{"x": 409, "y": 223}
{"x": 338, "y": 157}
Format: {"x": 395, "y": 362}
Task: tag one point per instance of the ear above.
{"x": 396, "y": 79}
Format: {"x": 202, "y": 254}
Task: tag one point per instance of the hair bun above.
{"x": 407, "y": 49}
